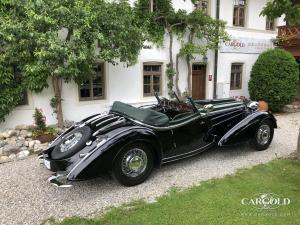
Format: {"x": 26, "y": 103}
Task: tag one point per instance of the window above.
{"x": 24, "y": 99}
{"x": 236, "y": 76}
{"x": 18, "y": 79}
{"x": 239, "y": 13}
{"x": 270, "y": 24}
{"x": 152, "y": 5}
{"x": 152, "y": 79}
{"x": 202, "y": 4}
{"x": 93, "y": 89}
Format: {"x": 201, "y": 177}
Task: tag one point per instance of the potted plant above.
{"x": 39, "y": 130}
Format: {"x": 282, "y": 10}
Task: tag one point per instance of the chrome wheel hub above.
{"x": 134, "y": 162}
{"x": 263, "y": 134}
{"x": 70, "y": 141}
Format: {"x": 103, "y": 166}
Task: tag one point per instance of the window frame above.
{"x": 234, "y": 87}
{"x": 92, "y": 97}
{"x": 239, "y": 7}
{"x": 198, "y": 5}
{"x": 268, "y": 22}
{"x": 151, "y": 74}
{"x": 25, "y": 100}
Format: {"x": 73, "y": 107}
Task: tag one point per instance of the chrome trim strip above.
{"x": 106, "y": 121}
{"x": 102, "y": 118}
{"x": 188, "y": 154}
{"x": 120, "y": 120}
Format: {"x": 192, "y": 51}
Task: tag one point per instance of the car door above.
{"x": 188, "y": 138}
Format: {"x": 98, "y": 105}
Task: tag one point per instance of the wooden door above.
{"x": 198, "y": 81}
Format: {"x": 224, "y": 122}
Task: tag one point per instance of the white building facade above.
{"x": 250, "y": 35}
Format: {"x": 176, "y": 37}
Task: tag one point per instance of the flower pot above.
{"x": 45, "y": 138}
{"x": 263, "y": 106}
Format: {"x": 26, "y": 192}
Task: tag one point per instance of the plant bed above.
{"x": 43, "y": 138}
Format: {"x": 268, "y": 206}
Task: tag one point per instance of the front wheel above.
{"x": 263, "y": 136}
{"x": 133, "y": 164}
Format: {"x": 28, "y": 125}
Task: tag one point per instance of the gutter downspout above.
{"x": 216, "y": 55}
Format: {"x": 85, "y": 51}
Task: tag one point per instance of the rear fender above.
{"x": 246, "y": 128}
{"x": 101, "y": 158}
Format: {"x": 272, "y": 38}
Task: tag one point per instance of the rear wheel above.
{"x": 133, "y": 164}
{"x": 72, "y": 143}
{"x": 263, "y": 136}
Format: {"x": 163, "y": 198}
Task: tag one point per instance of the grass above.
{"x": 217, "y": 201}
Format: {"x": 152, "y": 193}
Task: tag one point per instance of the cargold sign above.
{"x": 246, "y": 45}
{"x": 266, "y": 201}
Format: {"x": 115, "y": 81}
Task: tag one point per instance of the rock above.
{"x": 23, "y": 154}
{"x": 1, "y": 151}
{"x": 19, "y": 143}
{"x": 68, "y": 123}
{"x": 21, "y": 127}
{"x": 1, "y": 136}
{"x": 12, "y": 156}
{"x": 4, "y": 158}
{"x": 31, "y": 144}
{"x": 12, "y": 133}
{"x": 12, "y": 141}
{"x": 26, "y": 143}
{"x": 23, "y": 148}
{"x": 37, "y": 142}
{"x": 23, "y": 133}
{"x": 59, "y": 130}
{"x": 9, "y": 149}
{"x": 29, "y": 134}
{"x": 2, "y": 143}
{"x": 5, "y": 135}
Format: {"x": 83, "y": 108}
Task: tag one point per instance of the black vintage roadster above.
{"x": 130, "y": 141}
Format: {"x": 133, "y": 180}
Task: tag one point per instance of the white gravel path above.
{"x": 27, "y": 198}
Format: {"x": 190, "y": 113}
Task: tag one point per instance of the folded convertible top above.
{"x": 147, "y": 116}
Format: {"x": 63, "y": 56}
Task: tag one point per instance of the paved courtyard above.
{"x": 27, "y": 198}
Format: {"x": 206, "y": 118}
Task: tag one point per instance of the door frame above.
{"x": 191, "y": 79}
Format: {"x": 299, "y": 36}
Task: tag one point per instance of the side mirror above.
{"x": 209, "y": 107}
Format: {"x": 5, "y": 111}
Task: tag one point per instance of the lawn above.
{"x": 217, "y": 201}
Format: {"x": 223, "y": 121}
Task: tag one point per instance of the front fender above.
{"x": 102, "y": 156}
{"x": 246, "y": 127}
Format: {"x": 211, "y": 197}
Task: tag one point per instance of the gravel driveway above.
{"x": 27, "y": 198}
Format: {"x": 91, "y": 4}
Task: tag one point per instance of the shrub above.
{"x": 40, "y": 127}
{"x": 274, "y": 78}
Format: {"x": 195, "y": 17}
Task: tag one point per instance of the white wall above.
{"x": 125, "y": 84}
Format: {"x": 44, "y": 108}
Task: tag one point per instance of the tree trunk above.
{"x": 171, "y": 49}
{"x": 189, "y": 75}
{"x": 298, "y": 146}
{"x": 177, "y": 77}
{"x": 57, "y": 93}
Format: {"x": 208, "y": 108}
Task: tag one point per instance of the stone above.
{"x": 5, "y": 135}
{"x": 12, "y": 133}
{"x": 23, "y": 154}
{"x": 9, "y": 149}
{"x": 21, "y": 138}
{"x": 23, "y": 148}
{"x": 4, "y": 158}
{"x": 59, "y": 130}
{"x": 23, "y": 133}
{"x": 12, "y": 141}
{"x": 21, "y": 127}
{"x": 2, "y": 143}
{"x": 68, "y": 123}
{"x": 29, "y": 134}
{"x": 12, "y": 156}
{"x": 19, "y": 143}
{"x": 26, "y": 143}
{"x": 31, "y": 144}
{"x": 1, "y": 136}
{"x": 1, "y": 151}
{"x": 37, "y": 142}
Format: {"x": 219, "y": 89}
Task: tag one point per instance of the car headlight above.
{"x": 253, "y": 105}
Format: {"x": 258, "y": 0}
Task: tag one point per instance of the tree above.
{"x": 56, "y": 39}
{"x": 274, "y": 78}
{"x": 277, "y": 8}
{"x": 204, "y": 33}
{"x": 162, "y": 19}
